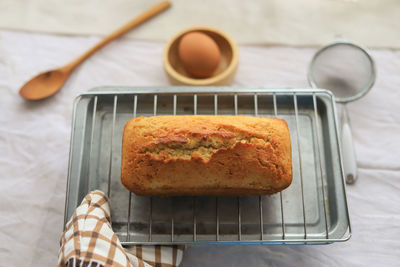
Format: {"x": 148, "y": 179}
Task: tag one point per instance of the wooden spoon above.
{"x": 48, "y": 83}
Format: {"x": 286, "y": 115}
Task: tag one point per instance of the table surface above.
{"x": 34, "y": 145}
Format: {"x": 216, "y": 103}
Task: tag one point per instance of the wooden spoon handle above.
{"x": 124, "y": 29}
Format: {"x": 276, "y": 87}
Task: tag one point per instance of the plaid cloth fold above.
{"x": 88, "y": 240}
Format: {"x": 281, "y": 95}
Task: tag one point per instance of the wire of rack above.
{"x": 297, "y": 148}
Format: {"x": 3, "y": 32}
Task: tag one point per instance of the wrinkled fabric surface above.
{"x": 89, "y": 240}
{"x": 34, "y": 145}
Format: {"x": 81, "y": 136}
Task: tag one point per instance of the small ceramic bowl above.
{"x": 224, "y": 73}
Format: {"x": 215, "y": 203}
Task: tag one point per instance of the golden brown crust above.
{"x": 206, "y": 155}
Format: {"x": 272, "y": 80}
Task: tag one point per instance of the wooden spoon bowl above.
{"x": 45, "y": 84}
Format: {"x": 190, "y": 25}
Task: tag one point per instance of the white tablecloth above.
{"x": 291, "y": 22}
{"x": 34, "y": 145}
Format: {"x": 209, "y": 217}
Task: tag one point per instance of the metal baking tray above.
{"x": 313, "y": 210}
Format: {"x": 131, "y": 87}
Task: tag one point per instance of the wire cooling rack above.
{"x": 312, "y": 210}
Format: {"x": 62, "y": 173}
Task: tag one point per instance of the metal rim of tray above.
{"x": 220, "y": 91}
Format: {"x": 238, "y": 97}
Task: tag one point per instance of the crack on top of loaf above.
{"x": 165, "y": 140}
{"x": 198, "y": 146}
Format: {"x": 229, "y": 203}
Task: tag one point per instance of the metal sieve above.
{"x": 349, "y": 72}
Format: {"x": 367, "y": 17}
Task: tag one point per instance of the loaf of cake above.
{"x": 206, "y": 155}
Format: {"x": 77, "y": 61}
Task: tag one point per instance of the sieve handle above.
{"x": 349, "y": 155}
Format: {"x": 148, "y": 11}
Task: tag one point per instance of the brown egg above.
{"x": 199, "y": 54}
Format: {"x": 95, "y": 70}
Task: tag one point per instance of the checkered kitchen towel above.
{"x": 88, "y": 240}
